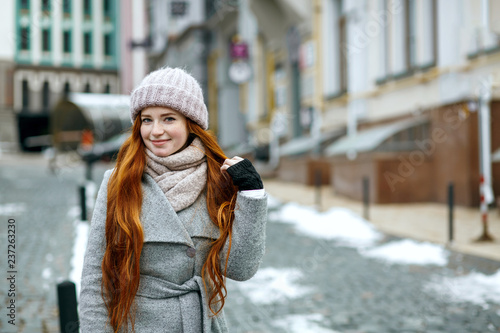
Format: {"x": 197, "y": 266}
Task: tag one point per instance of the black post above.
{"x": 366, "y": 197}
{"x": 317, "y": 183}
{"x": 68, "y": 313}
{"x": 88, "y": 170}
{"x": 450, "y": 211}
{"x": 83, "y": 203}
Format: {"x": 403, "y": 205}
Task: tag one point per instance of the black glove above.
{"x": 245, "y": 176}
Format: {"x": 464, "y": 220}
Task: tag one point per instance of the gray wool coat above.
{"x": 171, "y": 296}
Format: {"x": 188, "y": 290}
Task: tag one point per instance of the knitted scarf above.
{"x": 181, "y": 176}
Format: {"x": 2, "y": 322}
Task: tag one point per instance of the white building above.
{"x": 60, "y": 47}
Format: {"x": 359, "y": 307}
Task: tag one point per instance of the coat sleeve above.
{"x": 248, "y": 238}
{"x": 92, "y": 311}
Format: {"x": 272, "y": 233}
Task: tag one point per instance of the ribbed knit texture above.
{"x": 181, "y": 176}
{"x": 173, "y": 88}
{"x": 245, "y": 176}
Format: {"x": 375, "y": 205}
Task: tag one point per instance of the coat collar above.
{"x": 162, "y": 224}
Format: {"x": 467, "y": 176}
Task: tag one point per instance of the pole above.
{"x": 68, "y": 313}
{"x": 83, "y": 204}
{"x": 485, "y": 190}
{"x": 317, "y": 182}
{"x": 366, "y": 197}
{"x": 450, "y": 212}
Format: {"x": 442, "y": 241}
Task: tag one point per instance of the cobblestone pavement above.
{"x": 355, "y": 294}
{"x": 344, "y": 291}
{"x": 40, "y": 202}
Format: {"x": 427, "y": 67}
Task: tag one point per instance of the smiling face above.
{"x": 163, "y": 130}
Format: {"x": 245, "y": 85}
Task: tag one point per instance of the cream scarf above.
{"x": 181, "y": 176}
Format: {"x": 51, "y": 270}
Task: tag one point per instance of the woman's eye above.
{"x": 146, "y": 120}
{"x": 169, "y": 119}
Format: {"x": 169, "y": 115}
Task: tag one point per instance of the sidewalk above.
{"x": 421, "y": 221}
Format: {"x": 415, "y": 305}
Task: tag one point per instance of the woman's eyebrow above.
{"x": 161, "y": 115}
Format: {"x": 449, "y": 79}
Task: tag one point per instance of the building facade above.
{"x": 61, "y": 47}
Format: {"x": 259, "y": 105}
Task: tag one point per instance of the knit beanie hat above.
{"x": 173, "y": 88}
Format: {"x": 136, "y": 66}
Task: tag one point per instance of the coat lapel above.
{"x": 160, "y": 221}
{"x": 196, "y": 219}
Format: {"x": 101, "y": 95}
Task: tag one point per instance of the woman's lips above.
{"x": 159, "y": 142}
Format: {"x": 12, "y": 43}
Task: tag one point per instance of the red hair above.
{"x": 125, "y": 236}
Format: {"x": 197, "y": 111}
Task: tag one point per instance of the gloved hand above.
{"x": 245, "y": 176}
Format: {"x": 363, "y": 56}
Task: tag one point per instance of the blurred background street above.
{"x": 374, "y": 123}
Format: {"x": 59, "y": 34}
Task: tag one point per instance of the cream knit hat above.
{"x": 173, "y": 88}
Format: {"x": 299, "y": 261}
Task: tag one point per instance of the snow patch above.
{"x": 337, "y": 223}
{"x": 475, "y": 288}
{"x": 79, "y": 247}
{"x": 301, "y": 323}
{"x": 409, "y": 252}
{"x": 272, "y": 202}
{"x": 47, "y": 272}
{"x": 270, "y": 285}
{"x": 12, "y": 209}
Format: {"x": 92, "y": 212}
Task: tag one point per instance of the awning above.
{"x": 303, "y": 145}
{"x": 370, "y": 139}
{"x": 496, "y": 156}
{"x": 104, "y": 114}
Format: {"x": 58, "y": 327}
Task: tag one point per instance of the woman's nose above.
{"x": 157, "y": 129}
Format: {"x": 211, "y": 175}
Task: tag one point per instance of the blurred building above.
{"x": 134, "y": 43}
{"x": 60, "y": 47}
{"x": 387, "y": 90}
{"x": 8, "y": 128}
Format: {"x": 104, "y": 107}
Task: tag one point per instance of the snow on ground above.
{"x": 79, "y": 246}
{"x": 300, "y": 323}
{"x": 12, "y": 208}
{"x": 337, "y": 223}
{"x": 409, "y": 252}
{"x": 272, "y": 202}
{"x": 475, "y": 287}
{"x": 271, "y": 285}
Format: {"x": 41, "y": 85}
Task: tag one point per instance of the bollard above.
{"x": 83, "y": 203}
{"x": 450, "y": 212}
{"x": 317, "y": 183}
{"x": 68, "y": 313}
{"x": 366, "y": 197}
{"x": 88, "y": 170}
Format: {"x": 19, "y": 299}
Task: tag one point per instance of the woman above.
{"x": 172, "y": 220}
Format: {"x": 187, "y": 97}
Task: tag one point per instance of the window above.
{"x": 24, "y": 4}
{"x": 108, "y": 49}
{"x": 24, "y": 43}
{"x": 26, "y": 96}
{"x": 46, "y": 40}
{"x": 87, "y": 88}
{"x": 107, "y": 88}
{"x": 106, "y": 7}
{"x": 87, "y": 7}
{"x": 45, "y": 96}
{"x": 67, "y": 41}
{"x": 45, "y": 5}
{"x": 87, "y": 43}
{"x": 67, "y": 6}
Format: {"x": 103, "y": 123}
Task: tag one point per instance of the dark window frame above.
{"x": 67, "y": 41}
{"x": 46, "y": 40}
{"x": 66, "y": 5}
{"x": 108, "y": 45}
{"x": 87, "y": 7}
{"x": 87, "y": 43}
{"x": 24, "y": 38}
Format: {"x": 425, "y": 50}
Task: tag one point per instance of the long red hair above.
{"x": 125, "y": 236}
